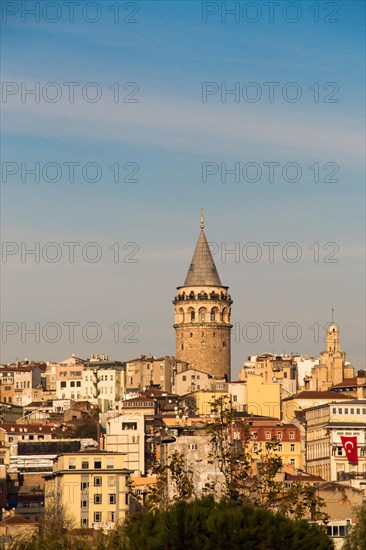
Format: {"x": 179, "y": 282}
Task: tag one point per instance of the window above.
{"x": 84, "y": 504}
{"x": 292, "y": 448}
{"x": 255, "y": 447}
{"x": 340, "y": 411}
{"x": 339, "y": 451}
{"x": 112, "y": 498}
{"x": 346, "y": 410}
{"x": 97, "y": 482}
{"x": 358, "y": 411}
{"x": 352, "y": 411}
{"x": 192, "y": 446}
{"x": 268, "y": 435}
{"x": 110, "y": 464}
{"x": 253, "y": 435}
{"x": 126, "y": 498}
{"x": 292, "y": 461}
{"x": 85, "y": 465}
{"x": 63, "y": 384}
{"x": 84, "y": 522}
{"x": 280, "y": 447}
{"x": 184, "y": 378}
{"x": 97, "y": 499}
{"x": 235, "y": 398}
{"x": 72, "y": 463}
{"x": 224, "y": 345}
{"x": 78, "y": 384}
{"x": 111, "y": 516}
{"x": 292, "y": 435}
{"x": 97, "y": 464}
{"x": 279, "y": 435}
{"x": 84, "y": 485}
{"x": 111, "y": 481}
{"x": 97, "y": 517}
{"x": 72, "y": 384}
{"x": 129, "y": 425}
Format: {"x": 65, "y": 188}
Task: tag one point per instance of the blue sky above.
{"x": 169, "y": 133}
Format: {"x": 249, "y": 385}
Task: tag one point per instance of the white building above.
{"x": 126, "y": 434}
{"x": 325, "y": 454}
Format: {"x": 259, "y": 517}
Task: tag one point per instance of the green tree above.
{"x": 176, "y": 474}
{"x": 55, "y": 531}
{"x": 207, "y": 525}
{"x": 254, "y": 476}
{"x": 356, "y": 539}
{"x": 232, "y": 455}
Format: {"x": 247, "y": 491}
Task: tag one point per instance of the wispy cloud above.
{"x": 174, "y": 123}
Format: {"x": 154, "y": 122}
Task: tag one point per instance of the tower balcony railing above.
{"x": 214, "y": 296}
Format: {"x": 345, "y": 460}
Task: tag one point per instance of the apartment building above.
{"x": 103, "y": 380}
{"x": 326, "y": 453}
{"x": 148, "y": 370}
{"x": 17, "y": 382}
{"x": 287, "y": 437}
{"x": 92, "y": 486}
{"x": 274, "y": 369}
{"x": 69, "y": 381}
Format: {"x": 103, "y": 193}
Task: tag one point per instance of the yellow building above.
{"x": 91, "y": 487}
{"x": 286, "y": 435}
{"x": 199, "y": 402}
{"x": 263, "y": 399}
{"x": 306, "y": 399}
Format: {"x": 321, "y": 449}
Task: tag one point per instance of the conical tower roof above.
{"x": 202, "y": 271}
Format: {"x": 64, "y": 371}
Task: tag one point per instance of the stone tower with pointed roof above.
{"x": 203, "y": 315}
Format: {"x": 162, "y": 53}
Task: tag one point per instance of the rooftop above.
{"x": 202, "y": 271}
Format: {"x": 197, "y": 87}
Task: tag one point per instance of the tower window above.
{"x": 193, "y": 315}
{"x": 203, "y": 316}
{"x": 182, "y": 347}
{"x": 224, "y": 344}
{"x": 191, "y": 335}
{"x": 212, "y": 315}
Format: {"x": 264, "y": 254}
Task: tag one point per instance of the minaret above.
{"x": 203, "y": 315}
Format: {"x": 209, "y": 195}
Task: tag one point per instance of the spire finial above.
{"x": 202, "y": 223}
{"x": 332, "y": 314}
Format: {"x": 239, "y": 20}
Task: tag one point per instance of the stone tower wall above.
{"x": 203, "y": 326}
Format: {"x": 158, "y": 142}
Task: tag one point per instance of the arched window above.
{"x": 181, "y": 315}
{"x": 202, "y": 314}
{"x": 193, "y": 315}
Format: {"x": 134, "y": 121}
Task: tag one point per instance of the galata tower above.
{"x": 202, "y": 311}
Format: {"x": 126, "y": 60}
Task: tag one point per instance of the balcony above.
{"x": 346, "y": 476}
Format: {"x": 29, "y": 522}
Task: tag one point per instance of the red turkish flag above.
{"x": 350, "y": 446}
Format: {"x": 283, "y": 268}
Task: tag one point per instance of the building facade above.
{"x": 92, "y": 486}
{"x": 325, "y": 454}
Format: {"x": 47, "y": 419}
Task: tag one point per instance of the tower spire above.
{"x": 202, "y": 221}
{"x": 332, "y": 315}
